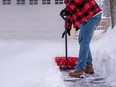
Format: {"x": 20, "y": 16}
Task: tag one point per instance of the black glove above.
{"x": 64, "y": 13}
{"x": 77, "y": 28}
{"x": 68, "y": 32}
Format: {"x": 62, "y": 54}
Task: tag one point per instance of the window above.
{"x": 21, "y": 2}
{"x": 33, "y": 2}
{"x": 58, "y": 1}
{"x": 6, "y": 1}
{"x": 45, "y": 1}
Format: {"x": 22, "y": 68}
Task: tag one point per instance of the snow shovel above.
{"x": 66, "y": 63}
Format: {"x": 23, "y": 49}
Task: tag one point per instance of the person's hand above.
{"x": 66, "y": 13}
{"x": 77, "y": 28}
{"x": 68, "y": 32}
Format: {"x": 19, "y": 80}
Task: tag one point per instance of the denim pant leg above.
{"x": 85, "y": 35}
{"x": 89, "y": 58}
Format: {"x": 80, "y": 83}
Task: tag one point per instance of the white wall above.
{"x": 31, "y": 21}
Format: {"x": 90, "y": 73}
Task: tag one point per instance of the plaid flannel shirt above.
{"x": 82, "y": 10}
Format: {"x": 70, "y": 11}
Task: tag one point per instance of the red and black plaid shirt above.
{"x": 82, "y": 10}
{"x": 68, "y": 23}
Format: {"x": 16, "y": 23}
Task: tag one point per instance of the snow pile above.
{"x": 104, "y": 52}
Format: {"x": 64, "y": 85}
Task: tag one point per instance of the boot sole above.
{"x": 89, "y": 72}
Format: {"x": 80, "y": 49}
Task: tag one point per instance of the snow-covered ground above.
{"x": 30, "y": 63}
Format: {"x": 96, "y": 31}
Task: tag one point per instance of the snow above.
{"x": 28, "y": 64}
{"x": 104, "y": 53}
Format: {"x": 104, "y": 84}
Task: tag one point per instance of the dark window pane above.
{"x": 48, "y": 2}
{"x": 31, "y": 3}
{"x": 56, "y": 2}
{"x": 35, "y": 2}
{"x": 43, "y": 3}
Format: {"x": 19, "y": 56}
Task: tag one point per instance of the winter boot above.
{"x": 76, "y": 73}
{"x": 89, "y": 70}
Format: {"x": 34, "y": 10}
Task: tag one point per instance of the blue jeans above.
{"x": 86, "y": 32}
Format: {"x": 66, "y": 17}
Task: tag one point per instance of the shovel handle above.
{"x": 66, "y": 46}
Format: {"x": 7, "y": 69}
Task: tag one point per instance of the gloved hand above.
{"x": 66, "y": 13}
{"x": 77, "y": 28}
{"x": 68, "y": 32}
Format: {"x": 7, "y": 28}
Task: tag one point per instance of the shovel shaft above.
{"x": 66, "y": 45}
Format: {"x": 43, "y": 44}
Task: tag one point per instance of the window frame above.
{"x": 59, "y": 2}
{"x": 46, "y": 2}
{"x": 6, "y": 2}
{"x": 20, "y": 2}
{"x": 33, "y": 2}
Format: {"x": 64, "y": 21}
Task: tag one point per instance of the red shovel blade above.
{"x": 69, "y": 62}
